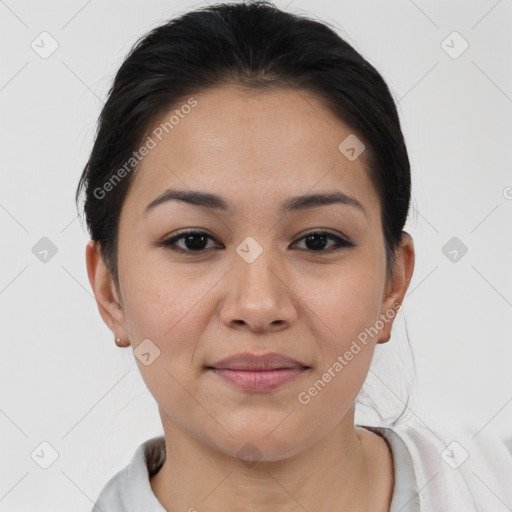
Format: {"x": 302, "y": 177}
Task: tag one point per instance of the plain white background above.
{"x": 64, "y": 381}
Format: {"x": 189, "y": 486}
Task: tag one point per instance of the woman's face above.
{"x": 255, "y": 283}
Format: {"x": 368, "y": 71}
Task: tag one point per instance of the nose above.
{"x": 258, "y": 298}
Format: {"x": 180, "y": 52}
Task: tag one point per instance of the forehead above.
{"x": 271, "y": 143}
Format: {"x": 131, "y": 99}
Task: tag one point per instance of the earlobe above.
{"x": 103, "y": 286}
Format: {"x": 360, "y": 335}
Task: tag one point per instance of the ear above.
{"x": 103, "y": 286}
{"x": 397, "y": 285}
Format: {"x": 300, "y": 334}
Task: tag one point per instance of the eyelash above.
{"x": 170, "y": 243}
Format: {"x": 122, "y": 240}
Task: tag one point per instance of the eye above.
{"x": 196, "y": 241}
{"x": 317, "y": 241}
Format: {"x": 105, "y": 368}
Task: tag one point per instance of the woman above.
{"x": 246, "y": 197}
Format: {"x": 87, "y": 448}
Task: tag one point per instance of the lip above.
{"x": 252, "y": 372}
{"x": 260, "y": 380}
{"x": 258, "y": 362}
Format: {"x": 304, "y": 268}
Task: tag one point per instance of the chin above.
{"x": 262, "y": 445}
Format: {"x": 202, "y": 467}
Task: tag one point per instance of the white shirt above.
{"x": 433, "y": 473}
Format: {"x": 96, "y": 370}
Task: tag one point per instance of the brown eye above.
{"x": 197, "y": 241}
{"x": 193, "y": 241}
{"x": 316, "y": 241}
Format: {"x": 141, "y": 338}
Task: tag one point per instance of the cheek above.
{"x": 166, "y": 313}
{"x": 349, "y": 309}
{"x": 167, "y": 308}
{"x": 158, "y": 302}
{"x": 348, "y": 303}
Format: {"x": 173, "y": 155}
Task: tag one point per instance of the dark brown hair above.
{"x": 255, "y": 45}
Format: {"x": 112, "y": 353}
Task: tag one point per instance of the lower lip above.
{"x": 263, "y": 380}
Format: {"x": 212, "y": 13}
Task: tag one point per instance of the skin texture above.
{"x": 256, "y": 149}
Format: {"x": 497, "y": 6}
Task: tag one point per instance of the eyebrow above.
{"x": 297, "y": 203}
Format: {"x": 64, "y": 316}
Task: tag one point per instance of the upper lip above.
{"x": 248, "y": 361}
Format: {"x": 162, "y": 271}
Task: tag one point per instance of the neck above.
{"x": 349, "y": 469}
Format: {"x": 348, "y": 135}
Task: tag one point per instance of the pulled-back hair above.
{"x": 255, "y": 45}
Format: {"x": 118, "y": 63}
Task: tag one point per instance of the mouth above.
{"x": 254, "y": 362}
{"x": 260, "y": 380}
{"x": 257, "y": 373}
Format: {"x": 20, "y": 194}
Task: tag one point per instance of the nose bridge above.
{"x": 258, "y": 296}
{"x": 256, "y": 271}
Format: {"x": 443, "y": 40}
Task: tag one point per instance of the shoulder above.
{"x": 129, "y": 489}
{"x": 458, "y": 468}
